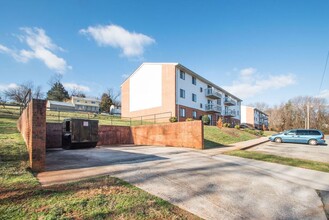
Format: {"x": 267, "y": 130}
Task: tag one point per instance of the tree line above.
{"x": 293, "y": 113}
{"x": 57, "y": 92}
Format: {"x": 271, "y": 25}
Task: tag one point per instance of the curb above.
{"x": 253, "y": 145}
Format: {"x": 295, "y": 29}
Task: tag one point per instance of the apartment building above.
{"x": 85, "y": 104}
{"x": 254, "y": 117}
{"x": 156, "y": 88}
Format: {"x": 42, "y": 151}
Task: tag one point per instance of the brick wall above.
{"x": 180, "y": 134}
{"x": 32, "y": 125}
{"x": 54, "y": 135}
{"x": 113, "y": 135}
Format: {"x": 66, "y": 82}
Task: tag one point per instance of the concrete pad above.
{"x": 212, "y": 187}
{"x": 318, "y": 153}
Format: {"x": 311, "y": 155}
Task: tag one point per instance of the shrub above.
{"x": 205, "y": 120}
{"x": 220, "y": 123}
{"x": 189, "y": 119}
{"x": 237, "y": 126}
{"x": 173, "y": 119}
{"x": 227, "y": 125}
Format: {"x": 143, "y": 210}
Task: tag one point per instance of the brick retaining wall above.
{"x": 32, "y": 125}
{"x": 113, "y": 135}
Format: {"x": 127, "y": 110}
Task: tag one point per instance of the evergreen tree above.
{"x": 106, "y": 103}
{"x": 57, "y": 92}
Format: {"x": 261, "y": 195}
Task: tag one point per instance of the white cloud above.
{"x": 324, "y": 94}
{"x": 8, "y": 86}
{"x": 249, "y": 83}
{"x": 131, "y": 43}
{"x": 247, "y": 72}
{"x": 73, "y": 86}
{"x": 41, "y": 47}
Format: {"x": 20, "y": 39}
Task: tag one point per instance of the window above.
{"x": 314, "y": 132}
{"x": 182, "y": 75}
{"x": 182, "y": 112}
{"x": 193, "y": 97}
{"x": 201, "y": 90}
{"x": 182, "y": 93}
{"x": 78, "y": 100}
{"x": 194, "y": 114}
{"x": 302, "y": 132}
{"x": 219, "y": 101}
{"x": 200, "y": 105}
{"x": 92, "y": 102}
{"x": 193, "y": 80}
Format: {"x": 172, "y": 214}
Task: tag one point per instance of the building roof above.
{"x": 67, "y": 104}
{"x": 192, "y": 73}
{"x": 86, "y": 99}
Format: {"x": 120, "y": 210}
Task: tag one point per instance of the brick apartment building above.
{"x": 254, "y": 117}
{"x": 156, "y": 88}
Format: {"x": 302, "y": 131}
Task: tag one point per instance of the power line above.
{"x": 324, "y": 72}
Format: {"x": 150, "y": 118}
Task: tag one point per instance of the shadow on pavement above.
{"x": 58, "y": 159}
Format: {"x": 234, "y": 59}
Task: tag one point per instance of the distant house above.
{"x": 75, "y": 104}
{"x": 254, "y": 117}
{"x": 60, "y": 106}
{"x": 85, "y": 104}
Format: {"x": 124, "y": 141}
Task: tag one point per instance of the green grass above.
{"x": 214, "y": 136}
{"x": 312, "y": 165}
{"x": 22, "y": 197}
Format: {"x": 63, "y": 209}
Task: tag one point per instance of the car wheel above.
{"x": 278, "y": 140}
{"x": 312, "y": 142}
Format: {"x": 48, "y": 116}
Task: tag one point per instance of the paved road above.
{"x": 212, "y": 187}
{"x": 303, "y": 151}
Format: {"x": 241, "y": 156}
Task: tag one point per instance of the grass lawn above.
{"x": 308, "y": 164}
{"x": 214, "y": 136}
{"x": 22, "y": 197}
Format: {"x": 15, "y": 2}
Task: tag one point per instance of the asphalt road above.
{"x": 302, "y": 151}
{"x": 212, "y": 187}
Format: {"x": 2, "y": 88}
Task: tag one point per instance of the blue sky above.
{"x": 261, "y": 51}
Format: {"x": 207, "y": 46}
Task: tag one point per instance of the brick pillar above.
{"x": 37, "y": 140}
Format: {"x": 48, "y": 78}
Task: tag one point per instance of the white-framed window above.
{"x": 194, "y": 115}
{"x": 219, "y": 101}
{"x": 182, "y": 93}
{"x": 193, "y": 80}
{"x": 201, "y": 105}
{"x": 201, "y": 90}
{"x": 182, "y": 112}
{"x": 182, "y": 74}
{"x": 193, "y": 97}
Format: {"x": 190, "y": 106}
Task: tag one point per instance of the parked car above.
{"x": 304, "y": 136}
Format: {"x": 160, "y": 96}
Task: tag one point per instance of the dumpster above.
{"x": 79, "y": 133}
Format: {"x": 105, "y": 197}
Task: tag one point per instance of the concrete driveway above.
{"x": 302, "y": 151}
{"x": 210, "y": 186}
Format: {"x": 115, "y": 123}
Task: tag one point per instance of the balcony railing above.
{"x": 213, "y": 108}
{"x": 230, "y": 113}
{"x": 229, "y": 101}
{"x": 213, "y": 93}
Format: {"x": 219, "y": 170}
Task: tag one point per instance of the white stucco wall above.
{"x": 243, "y": 114}
{"x": 146, "y": 87}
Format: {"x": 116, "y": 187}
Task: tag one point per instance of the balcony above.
{"x": 229, "y": 101}
{"x": 213, "y": 93}
{"x": 213, "y": 108}
{"x": 230, "y": 113}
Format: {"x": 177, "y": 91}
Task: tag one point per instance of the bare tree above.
{"x": 260, "y": 105}
{"x": 77, "y": 92}
{"x": 293, "y": 114}
{"x": 114, "y": 96}
{"x": 17, "y": 94}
